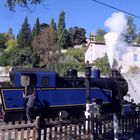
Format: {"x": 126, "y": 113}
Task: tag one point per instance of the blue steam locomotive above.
{"x": 56, "y": 93}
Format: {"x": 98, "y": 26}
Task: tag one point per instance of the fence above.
{"x": 72, "y": 129}
{"x": 18, "y": 131}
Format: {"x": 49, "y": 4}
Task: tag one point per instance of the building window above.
{"x": 135, "y": 56}
{"x": 120, "y": 57}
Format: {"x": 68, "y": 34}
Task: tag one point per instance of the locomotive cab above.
{"x": 37, "y": 77}
{"x": 25, "y": 79}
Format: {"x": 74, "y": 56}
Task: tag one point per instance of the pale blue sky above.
{"x": 82, "y": 13}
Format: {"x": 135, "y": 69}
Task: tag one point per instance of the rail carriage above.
{"x": 56, "y": 93}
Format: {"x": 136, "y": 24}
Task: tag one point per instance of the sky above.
{"x": 85, "y": 14}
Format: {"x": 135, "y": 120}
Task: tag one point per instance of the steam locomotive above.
{"x": 56, "y": 93}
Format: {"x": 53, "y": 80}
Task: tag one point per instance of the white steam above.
{"x": 117, "y": 24}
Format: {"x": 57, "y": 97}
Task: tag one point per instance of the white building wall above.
{"x": 4, "y": 73}
{"x": 95, "y": 51}
{"x": 128, "y": 58}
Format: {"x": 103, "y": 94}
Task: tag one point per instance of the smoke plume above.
{"x": 116, "y": 46}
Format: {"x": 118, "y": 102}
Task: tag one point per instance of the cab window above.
{"x": 44, "y": 81}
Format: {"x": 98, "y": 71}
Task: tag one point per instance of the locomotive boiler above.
{"x": 56, "y": 93}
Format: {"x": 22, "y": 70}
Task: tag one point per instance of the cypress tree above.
{"x": 53, "y": 33}
{"x": 10, "y": 33}
{"x": 25, "y": 36}
{"x": 61, "y": 30}
{"x": 53, "y": 25}
{"x": 36, "y": 28}
{"x": 130, "y": 34}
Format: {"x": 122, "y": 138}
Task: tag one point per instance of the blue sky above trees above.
{"x": 82, "y": 13}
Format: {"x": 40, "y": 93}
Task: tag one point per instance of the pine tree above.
{"x": 24, "y": 37}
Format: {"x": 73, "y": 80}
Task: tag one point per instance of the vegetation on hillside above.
{"x": 103, "y": 64}
{"x": 42, "y": 44}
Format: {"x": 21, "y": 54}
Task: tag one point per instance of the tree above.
{"x": 76, "y": 55}
{"x": 78, "y": 35}
{"x": 103, "y": 65}
{"x": 10, "y": 46}
{"x": 130, "y": 34}
{"x": 36, "y": 28}
{"x": 24, "y": 57}
{"x": 67, "y": 38}
{"x": 3, "y": 40}
{"x": 100, "y": 35}
{"x": 53, "y": 33}
{"x": 61, "y": 30}
{"x": 23, "y": 3}
{"x": 25, "y": 36}
{"x": 53, "y": 25}
{"x": 63, "y": 40}
{"x": 137, "y": 40}
{"x": 43, "y": 26}
{"x": 5, "y": 58}
{"x": 45, "y": 45}
{"x": 10, "y": 34}
{"x": 13, "y": 56}
{"x": 61, "y": 22}
{"x": 100, "y": 32}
